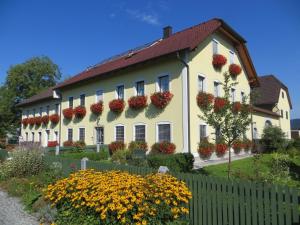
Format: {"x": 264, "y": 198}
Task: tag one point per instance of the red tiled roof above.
{"x": 47, "y": 94}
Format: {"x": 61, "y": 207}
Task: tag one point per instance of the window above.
{"x": 120, "y": 133}
{"x": 82, "y": 99}
{"x": 41, "y": 111}
{"x": 99, "y": 95}
{"x": 27, "y": 113}
{"x": 282, "y": 94}
{"x": 32, "y": 136}
{"x": 232, "y": 94}
{"x": 281, "y": 113}
{"x": 231, "y": 57}
{"x": 33, "y": 112}
{"x": 140, "y": 132}
{"x": 56, "y": 135}
{"x": 47, "y": 109}
{"x": 242, "y": 96}
{"x": 47, "y": 135}
{"x": 201, "y": 83}
{"x": 26, "y": 136}
{"x": 120, "y": 92}
{"x": 81, "y": 134}
{"x": 216, "y": 89}
{"x": 140, "y": 88}
{"x": 287, "y": 115}
{"x": 203, "y": 131}
{"x": 218, "y": 134}
{"x": 164, "y": 132}
{"x": 56, "y": 108}
{"x": 215, "y": 47}
{"x": 70, "y": 134}
{"x": 163, "y": 83}
{"x": 268, "y": 123}
{"x": 255, "y": 133}
{"x": 71, "y": 102}
{"x": 40, "y": 137}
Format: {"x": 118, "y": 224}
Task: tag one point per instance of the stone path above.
{"x": 12, "y": 212}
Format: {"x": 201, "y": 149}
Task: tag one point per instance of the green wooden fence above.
{"x": 218, "y": 201}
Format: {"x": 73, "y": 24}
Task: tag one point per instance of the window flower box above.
{"x": 220, "y": 104}
{"x": 117, "y": 105}
{"x": 38, "y": 120}
{"x": 137, "y": 102}
{"x": 164, "y": 147}
{"x": 68, "y": 113}
{"x": 52, "y": 144}
{"x": 161, "y": 99}
{"x": 218, "y": 61}
{"x": 54, "y": 118}
{"x": 205, "y": 149}
{"x": 204, "y": 100}
{"x": 25, "y": 122}
{"x": 45, "y": 119}
{"x": 234, "y": 70}
{"x": 97, "y": 108}
{"x": 31, "y": 121}
{"x": 221, "y": 149}
{"x": 80, "y": 112}
{"x": 116, "y": 146}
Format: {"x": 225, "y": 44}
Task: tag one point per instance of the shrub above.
{"x": 80, "y": 112}
{"x": 234, "y": 70}
{"x": 3, "y": 155}
{"x": 273, "y": 138}
{"x": 117, "y": 105}
{"x": 120, "y": 156}
{"x": 52, "y": 144}
{"x": 219, "y": 61}
{"x": 79, "y": 145}
{"x": 137, "y": 102}
{"x": 68, "y": 143}
{"x": 68, "y": 113}
{"x": 164, "y": 147}
{"x": 140, "y": 145}
{"x": 103, "y": 154}
{"x": 161, "y": 99}
{"x": 115, "y": 146}
{"x": 179, "y": 162}
{"x": 204, "y": 99}
{"x": 205, "y": 149}
{"x": 118, "y": 197}
{"x": 221, "y": 149}
{"x": 54, "y": 118}
{"x": 45, "y": 119}
{"x": 97, "y": 108}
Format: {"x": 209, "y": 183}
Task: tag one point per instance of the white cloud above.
{"x": 149, "y": 18}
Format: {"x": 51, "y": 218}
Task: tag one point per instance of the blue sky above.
{"x": 76, "y": 34}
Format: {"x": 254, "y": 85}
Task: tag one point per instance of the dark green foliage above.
{"x": 273, "y": 139}
{"x": 180, "y": 162}
{"x": 103, "y": 154}
{"x": 3, "y": 155}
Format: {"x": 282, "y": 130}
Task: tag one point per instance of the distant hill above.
{"x": 295, "y": 124}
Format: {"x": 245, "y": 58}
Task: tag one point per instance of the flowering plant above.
{"x": 204, "y": 99}
{"x": 219, "y": 104}
{"x": 52, "y": 143}
{"x": 45, "y": 119}
{"x": 80, "y": 111}
{"x": 221, "y": 149}
{"x": 68, "y": 143}
{"x": 140, "y": 145}
{"x": 68, "y": 113}
{"x": 161, "y": 99}
{"x": 164, "y": 147}
{"x": 234, "y": 69}
{"x": 236, "y": 107}
{"x": 117, "y": 105}
{"x": 25, "y": 122}
{"x": 137, "y": 102}
{"x": 116, "y": 146}
{"x": 219, "y": 61}
{"x": 97, "y": 108}
{"x": 54, "y": 118}
{"x": 205, "y": 149}
{"x": 38, "y": 120}
{"x": 237, "y": 146}
{"x": 31, "y": 121}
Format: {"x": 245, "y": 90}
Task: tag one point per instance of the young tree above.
{"x": 230, "y": 119}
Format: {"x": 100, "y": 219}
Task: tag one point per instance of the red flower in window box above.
{"x": 137, "y": 102}
{"x": 164, "y": 147}
{"x": 138, "y": 145}
{"x": 97, "y": 108}
{"x": 117, "y": 105}
{"x": 204, "y": 100}
{"x": 80, "y": 111}
{"x": 236, "y": 107}
{"x": 237, "y": 146}
{"x": 219, "y": 61}
{"x": 235, "y": 69}
{"x": 45, "y": 119}
{"x": 205, "y": 149}
{"x": 68, "y": 143}
{"x": 68, "y": 113}
{"x": 38, "y": 120}
{"x": 219, "y": 104}
{"x": 52, "y": 143}
{"x": 25, "y": 122}
{"x": 221, "y": 149}
{"x": 54, "y": 118}
{"x": 161, "y": 99}
{"x": 31, "y": 121}
{"x": 116, "y": 146}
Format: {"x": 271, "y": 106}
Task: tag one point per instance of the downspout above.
{"x": 188, "y": 99}
{"x": 251, "y": 113}
{"x": 60, "y": 119}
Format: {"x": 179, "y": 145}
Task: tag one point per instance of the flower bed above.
{"x": 219, "y": 104}
{"x": 121, "y": 198}
{"x": 45, "y": 119}
{"x": 54, "y": 118}
{"x": 52, "y": 143}
{"x": 137, "y": 102}
{"x": 161, "y": 99}
{"x": 204, "y": 100}
{"x": 25, "y": 122}
{"x": 80, "y": 112}
{"x": 115, "y": 146}
{"x": 221, "y": 149}
{"x": 205, "y": 149}
{"x": 68, "y": 113}
{"x": 97, "y": 108}
{"x": 234, "y": 70}
{"x": 117, "y": 105}
{"x": 164, "y": 147}
{"x": 219, "y": 61}
{"x": 38, "y": 120}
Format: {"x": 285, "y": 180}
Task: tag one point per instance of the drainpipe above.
{"x": 183, "y": 61}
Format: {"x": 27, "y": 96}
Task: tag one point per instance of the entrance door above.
{"x": 100, "y": 135}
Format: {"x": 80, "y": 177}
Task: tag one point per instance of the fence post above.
{"x": 98, "y": 147}
{"x": 57, "y": 150}
{"x": 83, "y": 163}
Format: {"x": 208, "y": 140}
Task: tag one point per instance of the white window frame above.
{"x": 233, "y": 94}
{"x": 115, "y": 129}
{"x": 204, "y": 82}
{"x": 157, "y": 87}
{"x": 48, "y": 110}
{"x": 32, "y": 136}
{"x": 96, "y": 96}
{"x": 214, "y": 41}
{"x": 58, "y": 108}
{"x": 67, "y": 136}
{"x": 218, "y": 88}
{"x": 40, "y": 137}
{"x": 242, "y": 95}
{"x": 135, "y": 87}
{"x": 206, "y": 133}
{"x": 163, "y": 123}
{"x": 56, "y": 135}
{"x": 79, "y": 133}
{"x": 47, "y": 135}
{"x": 139, "y": 124}
{"x": 26, "y": 136}
{"x": 116, "y": 91}
{"x": 41, "y": 111}
{"x": 80, "y": 99}
{"x": 231, "y": 56}
{"x": 72, "y": 101}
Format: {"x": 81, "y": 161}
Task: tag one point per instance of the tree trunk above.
{"x": 229, "y": 163}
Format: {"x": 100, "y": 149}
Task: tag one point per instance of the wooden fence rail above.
{"x": 218, "y": 201}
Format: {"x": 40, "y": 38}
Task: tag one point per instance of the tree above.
{"x": 23, "y": 81}
{"x": 273, "y": 138}
{"x": 230, "y": 119}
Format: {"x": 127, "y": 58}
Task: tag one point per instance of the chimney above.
{"x": 167, "y": 32}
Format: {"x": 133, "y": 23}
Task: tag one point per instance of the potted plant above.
{"x": 237, "y": 146}
{"x": 234, "y": 70}
{"x": 236, "y": 107}
{"x": 68, "y": 143}
{"x": 247, "y": 145}
{"x": 31, "y": 121}
{"x": 68, "y": 113}
{"x": 137, "y": 102}
{"x": 54, "y": 118}
{"x": 138, "y": 145}
{"x": 161, "y": 99}
{"x": 80, "y": 112}
{"x": 97, "y": 108}
{"x": 204, "y": 99}
{"x": 25, "y": 122}
{"x": 221, "y": 149}
{"x": 205, "y": 149}
{"x": 115, "y": 146}
{"x": 38, "y": 120}
{"x": 219, "y": 61}
{"x": 52, "y": 143}
{"x": 117, "y": 105}
{"x": 219, "y": 104}
{"x": 45, "y": 119}
{"x": 164, "y": 147}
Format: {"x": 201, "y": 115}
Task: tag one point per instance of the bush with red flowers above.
{"x": 138, "y": 145}
{"x": 117, "y": 105}
{"x": 234, "y": 70}
{"x": 237, "y": 146}
{"x": 52, "y": 143}
{"x": 161, "y": 99}
{"x": 204, "y": 100}
{"x": 25, "y": 122}
{"x": 80, "y": 111}
{"x": 219, "y": 104}
{"x": 97, "y": 108}
{"x": 219, "y": 61}
{"x": 164, "y": 147}
{"x": 221, "y": 149}
{"x": 31, "y": 121}
{"x": 68, "y": 113}
{"x": 116, "y": 146}
{"x": 54, "y": 118}
{"x": 248, "y": 144}
{"x": 137, "y": 102}
{"x": 236, "y": 107}
{"x": 205, "y": 149}
{"x": 45, "y": 119}
{"x": 38, "y": 120}
{"x": 68, "y": 143}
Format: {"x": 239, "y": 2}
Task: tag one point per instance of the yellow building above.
{"x": 180, "y": 63}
